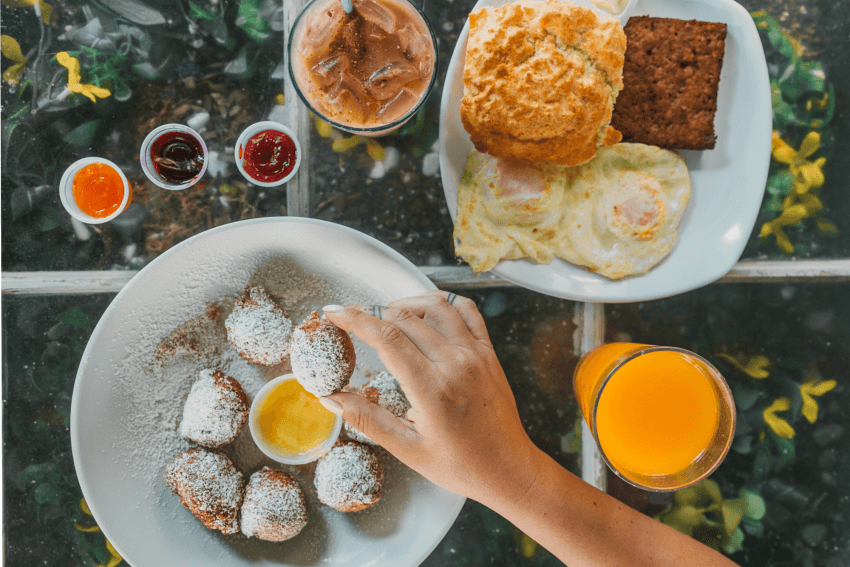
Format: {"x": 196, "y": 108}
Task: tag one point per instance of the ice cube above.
{"x": 329, "y": 71}
{"x": 348, "y": 94}
{"x": 373, "y": 12}
{"x": 321, "y": 27}
{"x": 386, "y": 82}
{"x": 398, "y": 106}
{"x": 417, "y": 48}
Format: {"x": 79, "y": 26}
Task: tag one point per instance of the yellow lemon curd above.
{"x": 293, "y": 420}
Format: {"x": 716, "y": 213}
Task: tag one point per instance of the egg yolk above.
{"x": 98, "y": 190}
{"x": 293, "y": 420}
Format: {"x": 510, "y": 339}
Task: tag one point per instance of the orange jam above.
{"x": 98, "y": 190}
{"x": 292, "y": 419}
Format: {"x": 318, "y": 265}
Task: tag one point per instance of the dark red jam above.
{"x": 177, "y": 157}
{"x": 269, "y": 156}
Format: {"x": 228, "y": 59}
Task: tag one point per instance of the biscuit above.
{"x": 540, "y": 81}
{"x": 671, "y": 76}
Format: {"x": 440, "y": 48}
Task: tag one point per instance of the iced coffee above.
{"x": 363, "y": 69}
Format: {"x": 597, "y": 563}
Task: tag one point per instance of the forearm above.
{"x": 583, "y": 526}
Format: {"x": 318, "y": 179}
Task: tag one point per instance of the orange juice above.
{"x": 662, "y": 417}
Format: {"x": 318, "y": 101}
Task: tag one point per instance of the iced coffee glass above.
{"x": 366, "y": 72}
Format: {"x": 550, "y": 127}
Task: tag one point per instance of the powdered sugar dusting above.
{"x": 275, "y": 508}
{"x": 322, "y": 356}
{"x": 259, "y": 328}
{"x": 349, "y": 477}
{"x": 215, "y": 411}
{"x": 382, "y": 389}
{"x": 210, "y": 486}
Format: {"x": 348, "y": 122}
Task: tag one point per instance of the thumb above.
{"x": 396, "y": 435}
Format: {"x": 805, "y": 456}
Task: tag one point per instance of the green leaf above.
{"x": 83, "y": 135}
{"x": 752, "y": 527}
{"x": 780, "y": 183}
{"x": 745, "y": 394}
{"x": 813, "y": 534}
{"x": 762, "y": 465}
{"x": 200, "y": 13}
{"x": 250, "y": 21}
{"x": 75, "y": 317}
{"x": 743, "y": 445}
{"x": 37, "y": 473}
{"x": 735, "y": 542}
{"x": 146, "y": 71}
{"x": 785, "y": 449}
{"x": 46, "y": 492}
{"x": 755, "y": 504}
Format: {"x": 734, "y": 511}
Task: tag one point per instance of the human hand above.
{"x": 463, "y": 431}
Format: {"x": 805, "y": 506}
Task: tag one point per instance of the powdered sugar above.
{"x": 322, "y": 356}
{"x": 259, "y": 328}
{"x": 384, "y": 390}
{"x": 215, "y": 411}
{"x": 349, "y": 477}
{"x": 274, "y": 508}
{"x": 210, "y": 486}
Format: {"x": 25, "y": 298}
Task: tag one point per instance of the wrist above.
{"x": 517, "y": 477}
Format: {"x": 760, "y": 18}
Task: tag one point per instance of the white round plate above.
{"x": 149, "y": 527}
{"x": 727, "y": 183}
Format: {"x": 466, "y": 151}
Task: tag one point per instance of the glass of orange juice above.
{"x": 663, "y": 417}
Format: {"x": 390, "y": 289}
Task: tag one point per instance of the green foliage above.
{"x": 83, "y": 135}
{"x": 702, "y": 512}
{"x": 251, "y": 22}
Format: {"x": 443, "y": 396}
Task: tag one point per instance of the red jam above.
{"x": 269, "y": 156}
{"x": 177, "y": 157}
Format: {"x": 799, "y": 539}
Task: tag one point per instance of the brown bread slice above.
{"x": 671, "y": 76}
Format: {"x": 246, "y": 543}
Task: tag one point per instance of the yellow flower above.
{"x": 12, "y": 50}
{"x": 800, "y": 203}
{"x": 754, "y": 367}
{"x": 375, "y": 151}
{"x": 808, "y": 175}
{"x": 42, "y": 7}
{"x": 812, "y": 388}
{"x": 114, "y": 557}
{"x": 779, "y": 426}
{"x": 280, "y": 99}
{"x": 345, "y": 144}
{"x": 325, "y": 130}
{"x": 74, "y": 78}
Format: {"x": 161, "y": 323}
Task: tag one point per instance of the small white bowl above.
{"x": 147, "y": 162}
{"x": 276, "y": 454}
{"x": 256, "y": 128}
{"x": 66, "y": 191}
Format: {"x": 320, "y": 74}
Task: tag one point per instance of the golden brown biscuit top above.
{"x": 541, "y": 79}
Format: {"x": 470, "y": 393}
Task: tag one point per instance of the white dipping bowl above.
{"x": 147, "y": 162}
{"x": 66, "y": 191}
{"x": 256, "y": 128}
{"x": 276, "y": 453}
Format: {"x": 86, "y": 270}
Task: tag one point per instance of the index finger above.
{"x": 398, "y": 353}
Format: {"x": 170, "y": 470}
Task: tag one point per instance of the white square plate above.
{"x": 727, "y": 183}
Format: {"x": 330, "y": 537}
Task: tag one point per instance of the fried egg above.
{"x": 616, "y": 215}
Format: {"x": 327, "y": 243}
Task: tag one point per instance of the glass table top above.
{"x": 218, "y": 66}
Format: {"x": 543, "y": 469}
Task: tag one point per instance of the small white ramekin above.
{"x": 147, "y": 162}
{"x": 66, "y": 191}
{"x": 256, "y": 128}
{"x": 275, "y": 453}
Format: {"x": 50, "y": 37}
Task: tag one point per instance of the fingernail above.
{"x": 331, "y": 405}
{"x": 333, "y": 308}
